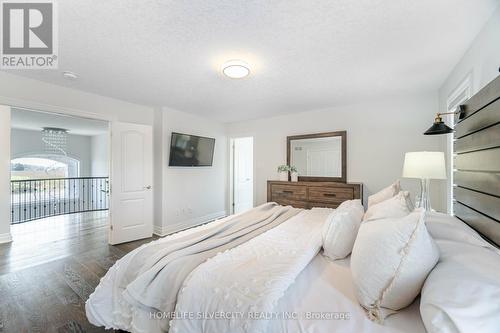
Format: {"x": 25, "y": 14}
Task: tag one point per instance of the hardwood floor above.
{"x": 50, "y": 269}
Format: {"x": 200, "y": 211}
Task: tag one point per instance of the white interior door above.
{"x": 243, "y": 174}
{"x": 131, "y": 209}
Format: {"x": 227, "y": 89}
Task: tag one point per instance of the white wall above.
{"x": 378, "y": 135}
{"x": 99, "y": 155}
{"x": 481, "y": 62}
{"x": 25, "y": 142}
{"x": 4, "y": 174}
{"x": 482, "y": 59}
{"x": 159, "y": 153}
{"x": 32, "y": 94}
{"x": 189, "y": 195}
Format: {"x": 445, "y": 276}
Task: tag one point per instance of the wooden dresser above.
{"x": 312, "y": 194}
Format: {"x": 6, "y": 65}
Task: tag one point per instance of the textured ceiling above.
{"x": 303, "y": 54}
{"x": 35, "y": 121}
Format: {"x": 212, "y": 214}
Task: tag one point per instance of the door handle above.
{"x": 147, "y": 187}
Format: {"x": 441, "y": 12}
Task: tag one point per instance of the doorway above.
{"x": 58, "y": 166}
{"x": 242, "y": 176}
{"x": 62, "y": 167}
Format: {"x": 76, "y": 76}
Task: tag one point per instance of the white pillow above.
{"x": 341, "y": 229}
{"x": 390, "y": 261}
{"x": 445, "y": 227}
{"x": 354, "y": 207}
{"x": 384, "y": 194}
{"x": 397, "y": 206}
{"x": 354, "y": 204}
{"x": 462, "y": 293}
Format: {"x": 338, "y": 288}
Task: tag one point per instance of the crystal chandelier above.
{"x": 55, "y": 140}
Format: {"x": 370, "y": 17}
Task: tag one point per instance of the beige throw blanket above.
{"x": 155, "y": 274}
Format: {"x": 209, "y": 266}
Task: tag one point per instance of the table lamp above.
{"x": 424, "y": 165}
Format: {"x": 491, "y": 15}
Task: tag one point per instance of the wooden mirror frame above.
{"x": 342, "y": 134}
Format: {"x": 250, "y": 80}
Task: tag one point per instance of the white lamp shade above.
{"x": 424, "y": 165}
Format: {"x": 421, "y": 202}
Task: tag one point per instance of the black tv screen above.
{"x": 191, "y": 150}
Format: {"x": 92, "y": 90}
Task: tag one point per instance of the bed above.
{"x": 298, "y": 288}
{"x": 264, "y": 270}
{"x": 308, "y": 293}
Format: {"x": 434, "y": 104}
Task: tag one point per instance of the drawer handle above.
{"x": 329, "y": 194}
{"x": 287, "y": 191}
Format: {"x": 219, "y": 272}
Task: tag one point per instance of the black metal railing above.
{"x": 39, "y": 198}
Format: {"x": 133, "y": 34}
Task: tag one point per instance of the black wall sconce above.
{"x": 439, "y": 127}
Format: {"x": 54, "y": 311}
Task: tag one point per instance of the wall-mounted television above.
{"x": 191, "y": 150}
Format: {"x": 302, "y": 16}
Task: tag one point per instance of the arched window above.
{"x": 44, "y": 166}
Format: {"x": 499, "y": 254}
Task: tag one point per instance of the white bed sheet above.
{"x": 325, "y": 287}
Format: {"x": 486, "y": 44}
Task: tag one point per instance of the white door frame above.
{"x": 459, "y": 95}
{"x": 231, "y": 172}
{"x": 5, "y": 196}
{"x": 63, "y": 111}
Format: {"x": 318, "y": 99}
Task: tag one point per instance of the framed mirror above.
{"x": 319, "y": 157}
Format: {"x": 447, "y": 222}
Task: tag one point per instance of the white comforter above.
{"x": 107, "y": 309}
{"x": 250, "y": 279}
{"x": 245, "y": 283}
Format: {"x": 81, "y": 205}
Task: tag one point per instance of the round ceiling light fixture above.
{"x": 236, "y": 69}
{"x": 70, "y": 75}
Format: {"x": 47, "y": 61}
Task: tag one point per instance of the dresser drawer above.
{"x": 296, "y": 204}
{"x": 334, "y": 195}
{"x": 288, "y": 192}
{"x": 311, "y": 205}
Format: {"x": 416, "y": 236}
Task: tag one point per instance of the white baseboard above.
{"x": 5, "y": 238}
{"x": 157, "y": 230}
{"x": 170, "y": 229}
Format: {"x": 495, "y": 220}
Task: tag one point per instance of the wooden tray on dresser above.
{"x": 312, "y": 194}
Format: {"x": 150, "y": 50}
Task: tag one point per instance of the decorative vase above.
{"x": 295, "y": 176}
{"x": 283, "y": 176}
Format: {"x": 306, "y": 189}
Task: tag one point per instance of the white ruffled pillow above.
{"x": 389, "y": 263}
{"x": 341, "y": 229}
{"x": 384, "y": 194}
{"x": 398, "y": 206}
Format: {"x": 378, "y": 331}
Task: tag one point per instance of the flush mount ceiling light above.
{"x": 236, "y": 69}
{"x": 70, "y": 75}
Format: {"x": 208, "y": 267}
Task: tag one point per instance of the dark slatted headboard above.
{"x": 477, "y": 163}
